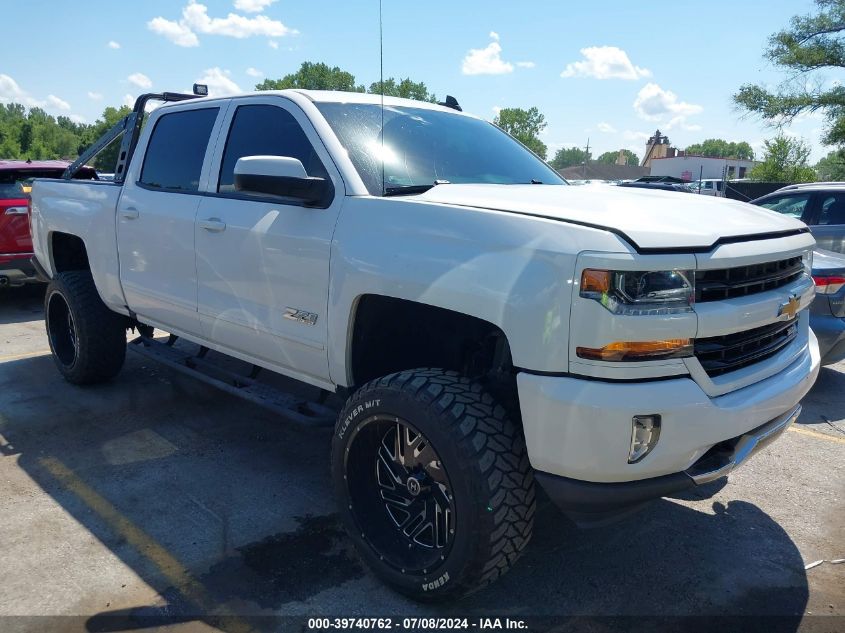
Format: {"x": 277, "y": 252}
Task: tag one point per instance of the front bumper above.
{"x": 578, "y": 431}
{"x": 589, "y": 503}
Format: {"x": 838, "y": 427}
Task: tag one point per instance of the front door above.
{"x": 156, "y": 215}
{"x": 263, "y": 262}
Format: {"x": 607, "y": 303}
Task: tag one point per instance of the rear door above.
{"x": 156, "y": 213}
{"x": 828, "y": 223}
{"x": 263, "y": 261}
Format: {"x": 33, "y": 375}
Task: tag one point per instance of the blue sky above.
{"x": 611, "y": 71}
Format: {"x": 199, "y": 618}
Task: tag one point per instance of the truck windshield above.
{"x": 421, "y": 147}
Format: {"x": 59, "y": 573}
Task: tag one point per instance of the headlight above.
{"x": 640, "y": 293}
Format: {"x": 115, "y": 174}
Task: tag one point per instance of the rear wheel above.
{"x": 87, "y": 339}
{"x": 434, "y": 483}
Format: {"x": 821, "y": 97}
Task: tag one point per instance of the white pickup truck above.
{"x": 487, "y": 325}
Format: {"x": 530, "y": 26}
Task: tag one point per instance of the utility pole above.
{"x": 586, "y": 157}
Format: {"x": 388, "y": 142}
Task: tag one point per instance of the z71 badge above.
{"x": 300, "y": 316}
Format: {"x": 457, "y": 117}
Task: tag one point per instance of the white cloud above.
{"x": 496, "y": 110}
{"x": 95, "y": 96}
{"x": 219, "y": 82}
{"x": 128, "y": 100}
{"x": 58, "y": 104}
{"x": 176, "y": 32}
{"x": 140, "y": 80}
{"x": 254, "y": 72}
{"x": 77, "y": 118}
{"x": 605, "y": 62}
{"x": 653, "y": 103}
{"x": 195, "y": 20}
{"x": 272, "y": 44}
{"x": 253, "y": 6}
{"x": 606, "y": 128}
{"x": 11, "y": 92}
{"x": 486, "y": 61}
{"x": 526, "y": 64}
{"x": 113, "y": 44}
{"x": 635, "y": 136}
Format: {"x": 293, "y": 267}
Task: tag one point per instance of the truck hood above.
{"x": 647, "y": 219}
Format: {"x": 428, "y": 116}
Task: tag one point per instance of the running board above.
{"x": 298, "y": 410}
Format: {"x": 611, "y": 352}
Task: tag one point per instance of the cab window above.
{"x": 792, "y": 205}
{"x": 175, "y": 153}
{"x": 266, "y": 130}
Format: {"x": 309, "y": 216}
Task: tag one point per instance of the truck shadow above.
{"x": 25, "y": 303}
{"x": 226, "y": 513}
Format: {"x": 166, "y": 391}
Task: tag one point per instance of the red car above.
{"x": 15, "y": 240}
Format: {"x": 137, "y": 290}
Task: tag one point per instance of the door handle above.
{"x": 16, "y": 211}
{"x": 130, "y": 213}
{"x": 213, "y": 225}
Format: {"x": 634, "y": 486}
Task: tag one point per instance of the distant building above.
{"x": 689, "y": 168}
{"x": 657, "y": 146}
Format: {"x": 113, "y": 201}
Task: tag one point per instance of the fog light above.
{"x": 644, "y": 435}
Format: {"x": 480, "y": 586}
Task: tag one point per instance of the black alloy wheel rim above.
{"x": 400, "y": 494}
{"x": 62, "y": 330}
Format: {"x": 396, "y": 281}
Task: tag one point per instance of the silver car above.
{"x": 827, "y": 313}
{"x": 821, "y": 205}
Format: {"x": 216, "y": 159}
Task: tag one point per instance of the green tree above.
{"x": 720, "y": 148}
{"x": 525, "y": 126}
{"x": 832, "y": 166}
{"x": 784, "y": 160}
{"x": 810, "y": 43}
{"x": 404, "y": 88}
{"x": 567, "y": 157}
{"x": 314, "y": 76}
{"x": 609, "y": 158}
{"x": 107, "y": 159}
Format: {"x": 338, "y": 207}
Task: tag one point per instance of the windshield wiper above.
{"x": 407, "y": 190}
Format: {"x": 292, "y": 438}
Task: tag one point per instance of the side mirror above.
{"x": 280, "y": 176}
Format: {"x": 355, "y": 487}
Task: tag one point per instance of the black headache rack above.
{"x": 130, "y": 127}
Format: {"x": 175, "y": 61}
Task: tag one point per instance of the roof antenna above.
{"x": 381, "y": 86}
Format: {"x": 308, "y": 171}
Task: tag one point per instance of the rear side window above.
{"x": 266, "y": 130}
{"x": 832, "y": 209}
{"x": 176, "y": 150}
{"x": 793, "y": 206}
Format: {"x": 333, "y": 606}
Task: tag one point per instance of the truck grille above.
{"x": 727, "y": 283}
{"x": 721, "y": 354}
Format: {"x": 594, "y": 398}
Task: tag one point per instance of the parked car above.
{"x": 827, "y": 312}
{"x": 15, "y": 241}
{"x": 657, "y": 186}
{"x": 708, "y": 187}
{"x": 820, "y": 205}
{"x": 482, "y": 325}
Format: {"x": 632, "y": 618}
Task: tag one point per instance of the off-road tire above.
{"x": 90, "y": 347}
{"x": 482, "y": 452}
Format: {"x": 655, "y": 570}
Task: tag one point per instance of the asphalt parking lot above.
{"x": 157, "y": 497}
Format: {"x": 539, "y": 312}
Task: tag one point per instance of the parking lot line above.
{"x": 821, "y": 436}
{"x": 11, "y": 357}
{"x": 175, "y": 573}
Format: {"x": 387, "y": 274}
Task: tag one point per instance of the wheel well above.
{"x": 391, "y": 335}
{"x": 68, "y": 253}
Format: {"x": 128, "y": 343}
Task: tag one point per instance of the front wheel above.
{"x": 433, "y": 482}
{"x": 87, "y": 339}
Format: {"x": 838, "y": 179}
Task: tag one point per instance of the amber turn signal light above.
{"x": 593, "y": 280}
{"x": 638, "y": 350}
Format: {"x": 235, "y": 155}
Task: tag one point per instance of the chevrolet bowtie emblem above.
{"x": 790, "y": 308}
